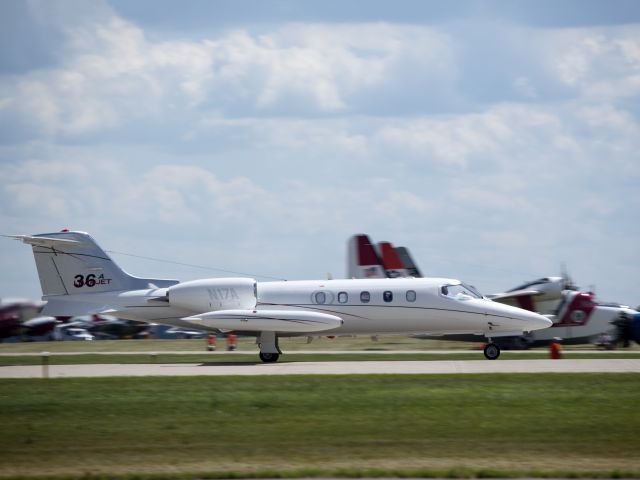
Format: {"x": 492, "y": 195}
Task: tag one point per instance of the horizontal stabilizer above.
{"x": 289, "y": 321}
{"x": 44, "y": 241}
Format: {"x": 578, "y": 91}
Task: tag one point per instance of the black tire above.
{"x": 269, "y": 357}
{"x": 491, "y": 351}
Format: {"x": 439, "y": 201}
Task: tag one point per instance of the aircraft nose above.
{"x": 540, "y": 320}
{"x": 529, "y": 320}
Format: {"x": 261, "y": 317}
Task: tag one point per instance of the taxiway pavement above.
{"x": 323, "y": 368}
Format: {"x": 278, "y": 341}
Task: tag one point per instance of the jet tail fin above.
{"x": 73, "y": 263}
{"x": 362, "y": 259}
{"x": 407, "y": 261}
{"x": 391, "y": 261}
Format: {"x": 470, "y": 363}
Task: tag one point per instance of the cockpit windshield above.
{"x": 460, "y": 291}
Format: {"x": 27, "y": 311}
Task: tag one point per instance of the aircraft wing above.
{"x": 520, "y": 298}
{"x": 501, "y": 297}
{"x": 285, "y": 321}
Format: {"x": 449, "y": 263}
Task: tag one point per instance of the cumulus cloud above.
{"x": 293, "y": 136}
{"x": 113, "y": 73}
{"x": 112, "y": 76}
{"x": 599, "y": 63}
{"x": 189, "y": 196}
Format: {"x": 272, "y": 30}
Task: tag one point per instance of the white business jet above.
{"x": 79, "y": 278}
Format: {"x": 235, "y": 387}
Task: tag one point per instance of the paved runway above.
{"x": 567, "y": 352}
{"x": 331, "y": 368}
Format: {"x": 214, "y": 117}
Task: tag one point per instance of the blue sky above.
{"x": 498, "y": 140}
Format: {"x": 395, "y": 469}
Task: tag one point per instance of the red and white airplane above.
{"x": 20, "y": 318}
{"x": 577, "y": 316}
{"x": 79, "y": 278}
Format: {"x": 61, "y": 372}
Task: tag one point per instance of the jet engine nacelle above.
{"x": 214, "y": 294}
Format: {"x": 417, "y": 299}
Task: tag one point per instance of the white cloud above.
{"x": 461, "y": 141}
{"x": 600, "y": 63}
{"x": 114, "y": 74}
{"x": 266, "y": 148}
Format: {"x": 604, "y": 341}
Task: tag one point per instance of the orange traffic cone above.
{"x": 555, "y": 349}
{"x": 231, "y": 341}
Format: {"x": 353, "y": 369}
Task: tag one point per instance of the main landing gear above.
{"x": 269, "y": 350}
{"x": 269, "y": 357}
{"x": 491, "y": 351}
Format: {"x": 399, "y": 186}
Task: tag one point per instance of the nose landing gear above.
{"x": 491, "y": 351}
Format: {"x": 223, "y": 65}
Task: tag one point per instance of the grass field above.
{"x": 406, "y": 425}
